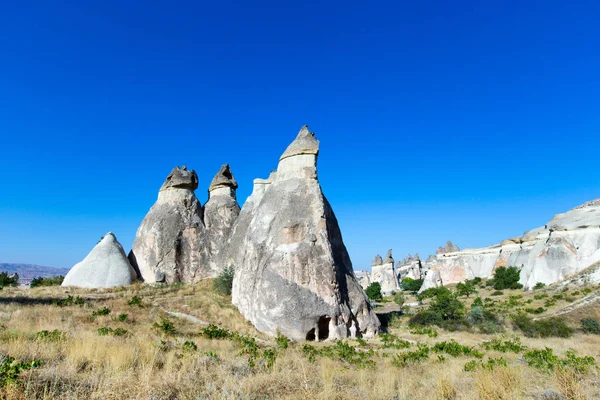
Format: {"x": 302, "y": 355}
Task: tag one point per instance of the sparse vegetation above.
{"x": 506, "y": 278}
{"x": 51, "y": 281}
{"x": 101, "y": 312}
{"x": 549, "y": 327}
{"x": 539, "y": 285}
{"x": 590, "y": 325}
{"x": 224, "y": 282}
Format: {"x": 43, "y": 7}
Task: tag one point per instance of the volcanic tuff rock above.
{"x": 383, "y": 271}
{"x": 105, "y": 266}
{"x": 220, "y": 213}
{"x": 567, "y": 244}
{"x": 171, "y": 243}
{"x": 293, "y": 273}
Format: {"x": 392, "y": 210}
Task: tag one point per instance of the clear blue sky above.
{"x": 470, "y": 121}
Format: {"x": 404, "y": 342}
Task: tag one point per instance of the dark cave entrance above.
{"x": 322, "y": 329}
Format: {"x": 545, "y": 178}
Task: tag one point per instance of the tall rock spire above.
{"x": 293, "y": 272}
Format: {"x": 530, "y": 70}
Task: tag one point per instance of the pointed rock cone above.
{"x": 104, "y": 267}
{"x": 220, "y": 213}
{"x": 170, "y": 244}
{"x": 293, "y": 273}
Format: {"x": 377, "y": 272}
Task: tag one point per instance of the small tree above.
{"x": 539, "y": 285}
{"x": 465, "y": 289}
{"x": 412, "y": 285}
{"x": 446, "y": 304}
{"x": 373, "y": 291}
{"x": 506, "y": 278}
{"x": 8, "y": 280}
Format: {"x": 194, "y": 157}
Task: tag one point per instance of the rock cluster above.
{"x": 567, "y": 244}
{"x": 384, "y": 272}
{"x": 104, "y": 267}
{"x": 293, "y": 273}
{"x": 179, "y": 240}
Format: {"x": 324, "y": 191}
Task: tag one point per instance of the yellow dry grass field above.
{"x": 140, "y": 351}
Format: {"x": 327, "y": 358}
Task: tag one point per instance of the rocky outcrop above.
{"x": 567, "y": 244}
{"x": 293, "y": 273}
{"x": 171, "y": 243}
{"x": 104, "y": 267}
{"x": 220, "y": 213}
{"x": 448, "y": 248}
{"x": 384, "y": 272}
{"x": 410, "y": 267}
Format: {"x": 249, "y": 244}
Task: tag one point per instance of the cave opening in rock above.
{"x": 311, "y": 335}
{"x": 324, "y": 327}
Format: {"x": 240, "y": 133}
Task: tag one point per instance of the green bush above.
{"x": 590, "y": 325}
{"x": 411, "y": 285}
{"x": 101, "y": 312}
{"x": 214, "y": 332}
{"x": 69, "y": 301}
{"x": 549, "y": 327}
{"x": 539, "y": 285}
{"x": 52, "y": 336}
{"x": 456, "y": 349}
{"x": 341, "y": 351}
{"x": 546, "y": 360}
{"x": 188, "y": 345}
{"x": 425, "y": 331}
{"x": 465, "y": 289}
{"x": 10, "y": 370}
{"x": 497, "y": 293}
{"x": 122, "y": 317}
{"x": 282, "y": 341}
{"x": 424, "y": 318}
{"x": 105, "y": 331}
{"x": 224, "y": 282}
{"x": 165, "y": 326}
{"x": 135, "y": 301}
{"x": 390, "y": 341}
{"x": 505, "y": 346}
{"x": 506, "y": 278}
{"x": 8, "y": 280}
{"x": 373, "y": 291}
{"x": 477, "y": 302}
{"x": 51, "y": 281}
{"x": 540, "y": 296}
{"x": 412, "y": 357}
{"x": 539, "y": 310}
{"x": 446, "y": 304}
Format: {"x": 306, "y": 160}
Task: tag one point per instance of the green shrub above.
{"x": 540, "y": 296}
{"x": 224, "y": 282}
{"x": 446, "y": 304}
{"x": 10, "y": 370}
{"x": 427, "y": 293}
{"x": 546, "y": 360}
{"x": 51, "y": 281}
{"x": 539, "y": 285}
{"x": 490, "y": 364}
{"x": 539, "y": 310}
{"x": 506, "y": 278}
{"x": 122, "y": 317}
{"x": 456, "y": 349}
{"x": 69, "y": 301}
{"x": 497, "y": 293}
{"x": 373, "y": 291}
{"x": 477, "y": 302}
{"x": 505, "y": 346}
{"x": 8, "y": 280}
{"x": 341, "y": 351}
{"x": 390, "y": 341}
{"x": 52, "y": 336}
{"x": 424, "y": 318}
{"x": 549, "y": 327}
{"x": 587, "y": 291}
{"x": 101, "y": 312}
{"x": 188, "y": 345}
{"x": 282, "y": 341}
{"x": 214, "y": 332}
{"x": 135, "y": 301}
{"x": 576, "y": 293}
{"x": 105, "y": 331}
{"x": 590, "y": 325}
{"x": 165, "y": 326}
{"x": 425, "y": 331}
{"x": 411, "y": 285}
{"x": 411, "y": 357}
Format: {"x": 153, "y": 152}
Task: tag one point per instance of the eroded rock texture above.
{"x": 171, "y": 243}
{"x": 384, "y": 272}
{"x": 105, "y": 266}
{"x": 293, "y": 272}
{"x": 567, "y": 244}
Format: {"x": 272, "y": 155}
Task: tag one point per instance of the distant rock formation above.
{"x": 104, "y": 267}
{"x": 293, "y": 273}
{"x": 410, "y": 267}
{"x": 567, "y": 244}
{"x": 171, "y": 243}
{"x": 384, "y": 272}
{"x": 448, "y": 248}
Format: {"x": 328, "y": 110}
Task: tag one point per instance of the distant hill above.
{"x": 29, "y": 271}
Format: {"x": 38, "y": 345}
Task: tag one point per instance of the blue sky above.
{"x": 470, "y": 121}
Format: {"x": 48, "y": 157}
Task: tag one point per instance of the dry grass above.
{"x": 149, "y": 364}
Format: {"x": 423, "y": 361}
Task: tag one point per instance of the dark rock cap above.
{"x": 181, "y": 178}
{"x": 305, "y": 143}
{"x": 388, "y": 257}
{"x": 223, "y": 178}
{"x": 377, "y": 261}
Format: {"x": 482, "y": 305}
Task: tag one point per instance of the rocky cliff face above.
{"x": 171, "y": 243}
{"x": 293, "y": 273}
{"x": 104, "y": 267}
{"x": 567, "y": 244}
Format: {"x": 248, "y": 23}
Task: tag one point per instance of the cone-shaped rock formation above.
{"x": 105, "y": 266}
{"x": 293, "y": 272}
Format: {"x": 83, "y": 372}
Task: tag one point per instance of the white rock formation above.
{"x": 104, "y": 267}
{"x": 171, "y": 243}
{"x": 293, "y": 273}
{"x": 410, "y": 267}
{"x": 384, "y": 272}
{"x": 567, "y": 244}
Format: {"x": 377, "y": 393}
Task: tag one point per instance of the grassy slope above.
{"x": 146, "y": 363}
